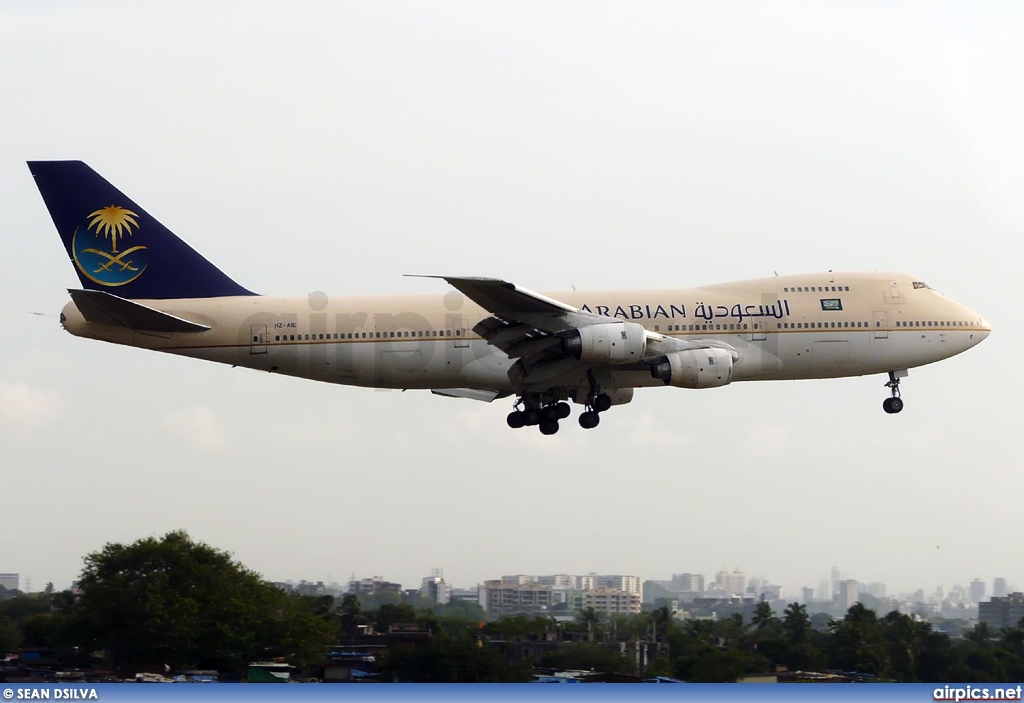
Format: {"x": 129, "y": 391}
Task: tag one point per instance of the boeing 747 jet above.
{"x": 485, "y": 338}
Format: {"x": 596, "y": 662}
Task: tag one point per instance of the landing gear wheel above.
{"x": 892, "y": 405}
{"x": 549, "y": 427}
{"x": 602, "y": 402}
{"x": 562, "y": 411}
{"x": 531, "y": 416}
{"x": 516, "y": 419}
{"x": 589, "y": 420}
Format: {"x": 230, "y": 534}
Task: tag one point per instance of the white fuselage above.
{"x": 788, "y": 327}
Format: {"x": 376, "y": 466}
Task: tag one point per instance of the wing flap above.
{"x": 469, "y": 393}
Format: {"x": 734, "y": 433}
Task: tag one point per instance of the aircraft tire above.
{"x": 549, "y": 427}
{"x": 602, "y": 402}
{"x": 563, "y": 410}
{"x": 589, "y": 420}
{"x": 516, "y": 419}
{"x": 531, "y": 417}
{"x": 895, "y": 405}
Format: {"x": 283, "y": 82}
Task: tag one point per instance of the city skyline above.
{"x": 994, "y": 587}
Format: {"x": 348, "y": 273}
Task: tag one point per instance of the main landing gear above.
{"x": 597, "y": 403}
{"x": 533, "y": 413}
{"x": 894, "y": 404}
{"x": 546, "y": 410}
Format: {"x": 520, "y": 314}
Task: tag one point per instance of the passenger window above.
{"x": 458, "y": 333}
{"x": 277, "y": 338}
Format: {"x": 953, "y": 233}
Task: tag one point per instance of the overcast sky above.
{"x": 336, "y": 146}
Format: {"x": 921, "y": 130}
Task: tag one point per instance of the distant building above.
{"x": 466, "y": 594}
{"x": 957, "y": 594}
{"x": 308, "y": 588}
{"x": 501, "y": 597}
{"x": 1002, "y": 612}
{"x": 606, "y": 601}
{"x": 373, "y": 586}
{"x": 808, "y": 594}
{"x": 633, "y": 584}
{"x": 977, "y": 591}
{"x": 10, "y": 581}
{"x": 731, "y": 584}
{"x": 848, "y": 594}
{"x": 770, "y": 592}
{"x": 877, "y": 589}
{"x": 435, "y": 589}
{"x": 688, "y": 583}
{"x": 999, "y": 589}
{"x": 617, "y": 582}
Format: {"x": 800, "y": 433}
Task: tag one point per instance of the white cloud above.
{"x": 27, "y": 408}
{"x": 197, "y": 426}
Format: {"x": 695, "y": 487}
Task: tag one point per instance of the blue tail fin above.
{"x": 118, "y": 247}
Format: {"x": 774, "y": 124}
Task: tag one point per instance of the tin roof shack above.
{"x": 359, "y": 658}
{"x": 270, "y": 672}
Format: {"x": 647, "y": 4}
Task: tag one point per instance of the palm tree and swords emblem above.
{"x": 113, "y": 267}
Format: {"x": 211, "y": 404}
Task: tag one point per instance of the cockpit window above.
{"x": 919, "y": 284}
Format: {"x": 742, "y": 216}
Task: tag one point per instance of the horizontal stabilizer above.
{"x": 106, "y": 309}
{"x": 470, "y": 393}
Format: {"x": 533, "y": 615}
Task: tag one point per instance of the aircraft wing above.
{"x": 537, "y": 331}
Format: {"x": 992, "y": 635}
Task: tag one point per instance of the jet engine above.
{"x": 609, "y": 343}
{"x": 694, "y": 368}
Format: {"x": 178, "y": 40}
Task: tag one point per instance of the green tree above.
{"x": 10, "y": 636}
{"x": 452, "y": 659}
{"x": 178, "y": 602}
{"x": 351, "y": 614}
{"x": 764, "y": 617}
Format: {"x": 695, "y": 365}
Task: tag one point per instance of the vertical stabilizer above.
{"x": 116, "y": 246}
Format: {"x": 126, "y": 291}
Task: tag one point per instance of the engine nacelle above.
{"x": 695, "y": 368}
{"x": 609, "y": 343}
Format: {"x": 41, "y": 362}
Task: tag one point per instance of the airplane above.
{"x": 487, "y": 338}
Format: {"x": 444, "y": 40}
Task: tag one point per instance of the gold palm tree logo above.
{"x": 113, "y": 222}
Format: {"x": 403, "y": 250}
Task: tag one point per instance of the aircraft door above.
{"x": 259, "y": 339}
{"x": 459, "y": 330}
{"x": 759, "y": 331}
{"x": 881, "y": 320}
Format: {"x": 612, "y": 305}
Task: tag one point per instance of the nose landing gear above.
{"x": 894, "y": 404}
